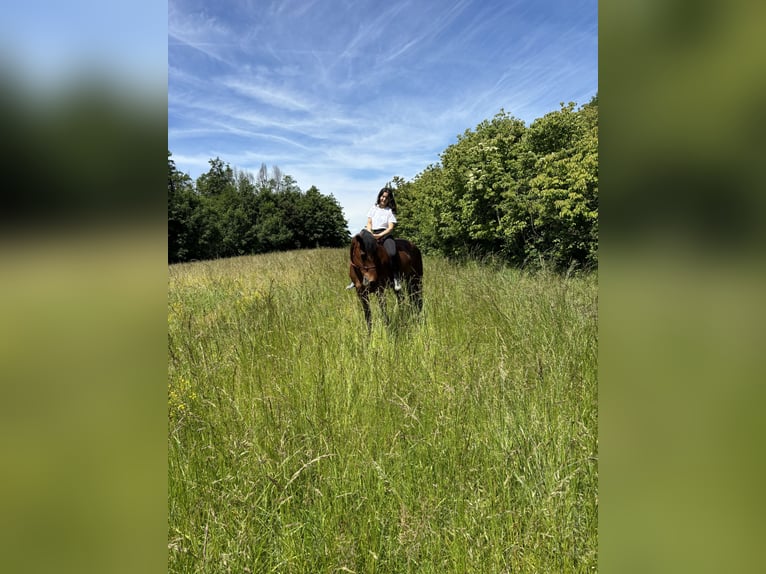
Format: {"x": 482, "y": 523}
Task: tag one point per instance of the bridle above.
{"x": 363, "y": 267}
{"x": 363, "y": 271}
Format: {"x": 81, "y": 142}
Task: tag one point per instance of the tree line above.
{"x": 526, "y": 194}
{"x": 227, "y": 213}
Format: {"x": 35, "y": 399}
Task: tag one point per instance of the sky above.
{"x": 346, "y": 94}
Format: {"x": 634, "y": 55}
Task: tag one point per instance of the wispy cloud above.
{"x": 264, "y": 93}
{"x": 345, "y": 95}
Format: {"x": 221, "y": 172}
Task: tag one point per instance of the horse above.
{"x": 370, "y": 271}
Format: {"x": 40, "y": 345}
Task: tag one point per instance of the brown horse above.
{"x": 370, "y": 270}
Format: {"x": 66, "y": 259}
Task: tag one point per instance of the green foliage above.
{"x": 526, "y": 194}
{"x": 420, "y": 207}
{"x": 230, "y": 213}
{"x": 217, "y": 181}
{"x": 184, "y": 226}
{"x": 564, "y": 195}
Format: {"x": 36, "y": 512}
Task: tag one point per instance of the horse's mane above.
{"x": 369, "y": 243}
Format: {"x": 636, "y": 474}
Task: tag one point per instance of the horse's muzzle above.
{"x": 365, "y": 281}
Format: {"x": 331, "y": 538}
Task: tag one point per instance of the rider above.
{"x": 380, "y": 222}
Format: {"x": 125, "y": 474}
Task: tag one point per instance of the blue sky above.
{"x": 347, "y": 94}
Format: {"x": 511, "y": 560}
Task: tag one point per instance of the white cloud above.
{"x": 346, "y": 95}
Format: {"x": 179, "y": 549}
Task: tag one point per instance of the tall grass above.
{"x": 462, "y": 441}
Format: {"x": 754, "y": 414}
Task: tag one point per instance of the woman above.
{"x": 380, "y": 222}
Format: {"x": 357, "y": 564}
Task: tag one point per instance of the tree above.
{"x": 488, "y": 168}
{"x": 183, "y": 216}
{"x": 564, "y": 190}
{"x": 217, "y": 180}
{"x": 322, "y": 221}
{"x": 471, "y": 187}
{"x": 527, "y": 194}
{"x": 420, "y": 204}
{"x": 263, "y": 177}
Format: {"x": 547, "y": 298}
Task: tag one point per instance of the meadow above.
{"x": 463, "y": 440}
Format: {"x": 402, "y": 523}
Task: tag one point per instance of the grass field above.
{"x": 463, "y": 441}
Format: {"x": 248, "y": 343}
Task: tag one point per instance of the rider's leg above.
{"x": 393, "y": 256}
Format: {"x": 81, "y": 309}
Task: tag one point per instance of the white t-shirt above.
{"x": 381, "y": 217}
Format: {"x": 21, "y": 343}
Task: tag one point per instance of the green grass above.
{"x": 463, "y": 441}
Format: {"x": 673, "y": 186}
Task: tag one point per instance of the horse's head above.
{"x": 364, "y": 259}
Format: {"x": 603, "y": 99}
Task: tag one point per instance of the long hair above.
{"x": 391, "y": 198}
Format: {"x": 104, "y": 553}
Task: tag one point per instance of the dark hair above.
{"x": 391, "y": 198}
